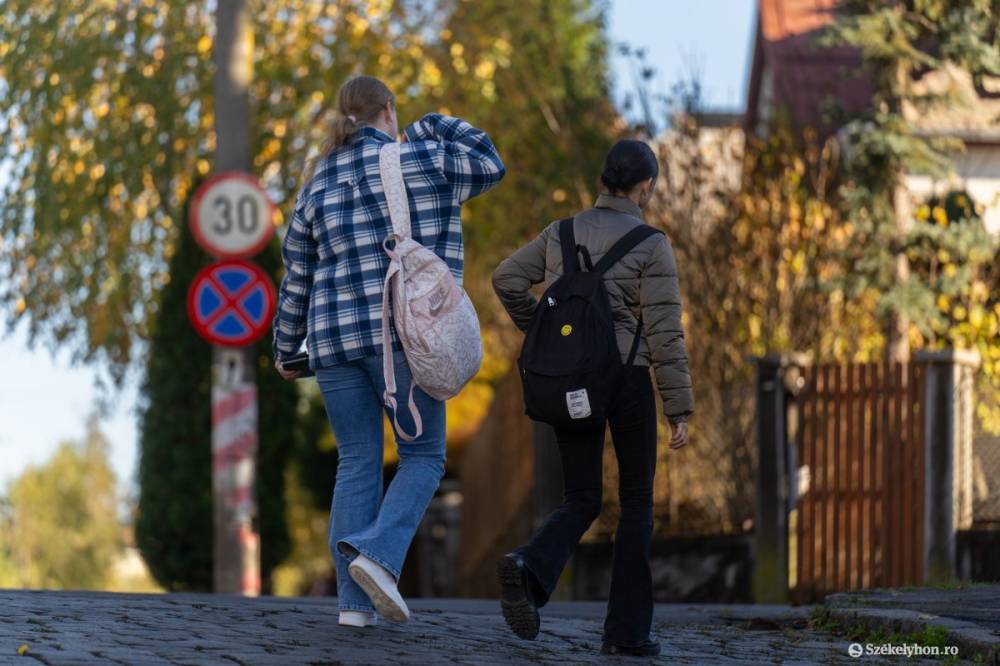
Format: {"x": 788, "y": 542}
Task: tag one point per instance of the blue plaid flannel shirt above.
{"x": 331, "y": 294}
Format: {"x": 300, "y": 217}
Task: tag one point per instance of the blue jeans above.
{"x": 362, "y": 521}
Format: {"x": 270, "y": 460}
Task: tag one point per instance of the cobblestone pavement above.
{"x": 103, "y": 628}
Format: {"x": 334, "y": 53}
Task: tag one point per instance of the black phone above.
{"x": 298, "y": 363}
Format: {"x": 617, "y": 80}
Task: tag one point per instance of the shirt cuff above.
{"x": 421, "y": 129}
{"x": 281, "y": 354}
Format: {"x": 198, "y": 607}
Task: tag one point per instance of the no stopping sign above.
{"x": 231, "y": 303}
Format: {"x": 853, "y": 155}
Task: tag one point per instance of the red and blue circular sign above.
{"x": 231, "y": 303}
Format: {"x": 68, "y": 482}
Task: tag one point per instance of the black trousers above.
{"x": 632, "y": 418}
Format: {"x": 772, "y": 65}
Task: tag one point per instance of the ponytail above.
{"x": 341, "y": 130}
{"x": 358, "y": 104}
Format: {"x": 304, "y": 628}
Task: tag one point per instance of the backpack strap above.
{"x": 567, "y": 240}
{"x": 399, "y": 217}
{"x": 395, "y": 190}
{"x": 623, "y": 247}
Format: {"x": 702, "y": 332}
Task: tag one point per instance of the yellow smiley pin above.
{"x": 566, "y": 330}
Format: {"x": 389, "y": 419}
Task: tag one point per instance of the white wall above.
{"x": 978, "y": 172}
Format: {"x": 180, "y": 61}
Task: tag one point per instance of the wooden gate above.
{"x": 857, "y": 486}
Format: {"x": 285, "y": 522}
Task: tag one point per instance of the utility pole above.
{"x": 234, "y": 388}
{"x": 898, "y": 334}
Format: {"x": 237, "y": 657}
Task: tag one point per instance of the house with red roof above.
{"x": 793, "y": 73}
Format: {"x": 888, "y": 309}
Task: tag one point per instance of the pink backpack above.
{"x": 432, "y": 314}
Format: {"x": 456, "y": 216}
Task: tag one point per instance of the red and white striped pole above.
{"x": 234, "y": 450}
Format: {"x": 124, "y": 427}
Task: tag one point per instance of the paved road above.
{"x": 102, "y": 628}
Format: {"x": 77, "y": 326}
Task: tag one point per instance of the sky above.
{"x": 710, "y": 39}
{"x": 45, "y": 400}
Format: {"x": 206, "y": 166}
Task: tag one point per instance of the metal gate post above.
{"x": 948, "y": 415}
{"x": 770, "y": 578}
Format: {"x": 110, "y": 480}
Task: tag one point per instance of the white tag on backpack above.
{"x": 578, "y": 404}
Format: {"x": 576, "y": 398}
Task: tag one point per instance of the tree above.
{"x": 60, "y": 528}
{"x": 534, "y": 73}
{"x": 106, "y": 121}
{"x": 758, "y": 236}
{"x": 955, "y": 262}
{"x": 899, "y": 43}
{"x": 930, "y": 267}
{"x": 173, "y": 527}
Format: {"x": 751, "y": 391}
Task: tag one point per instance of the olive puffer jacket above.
{"x": 645, "y": 281}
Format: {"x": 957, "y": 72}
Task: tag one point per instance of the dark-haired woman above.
{"x": 642, "y": 287}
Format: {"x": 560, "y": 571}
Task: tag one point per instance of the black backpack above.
{"x": 570, "y": 364}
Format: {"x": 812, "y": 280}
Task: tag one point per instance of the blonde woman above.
{"x": 331, "y": 297}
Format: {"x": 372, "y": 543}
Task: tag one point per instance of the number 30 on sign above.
{"x": 231, "y": 216}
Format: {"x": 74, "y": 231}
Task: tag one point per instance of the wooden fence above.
{"x": 863, "y": 473}
{"x": 860, "y": 481}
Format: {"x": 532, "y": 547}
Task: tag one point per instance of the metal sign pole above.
{"x": 234, "y": 388}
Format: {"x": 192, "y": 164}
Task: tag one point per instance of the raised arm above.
{"x": 514, "y": 277}
{"x": 468, "y": 158}
{"x": 298, "y": 251}
{"x": 660, "y": 300}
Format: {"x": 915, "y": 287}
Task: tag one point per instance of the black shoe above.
{"x": 516, "y": 603}
{"x": 646, "y": 649}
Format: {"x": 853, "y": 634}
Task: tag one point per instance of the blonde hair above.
{"x": 359, "y": 102}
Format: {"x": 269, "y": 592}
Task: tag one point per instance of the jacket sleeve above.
{"x": 514, "y": 277}
{"x": 660, "y": 301}
{"x": 469, "y": 160}
{"x": 298, "y": 251}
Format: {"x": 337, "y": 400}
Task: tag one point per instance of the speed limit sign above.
{"x": 231, "y": 215}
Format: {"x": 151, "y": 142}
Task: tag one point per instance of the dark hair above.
{"x": 628, "y": 163}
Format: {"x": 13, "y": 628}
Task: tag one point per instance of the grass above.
{"x": 932, "y": 635}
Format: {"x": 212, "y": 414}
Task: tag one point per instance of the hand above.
{"x": 286, "y": 374}
{"x": 679, "y": 435}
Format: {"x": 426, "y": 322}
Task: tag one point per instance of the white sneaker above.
{"x": 357, "y": 619}
{"x": 380, "y": 586}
